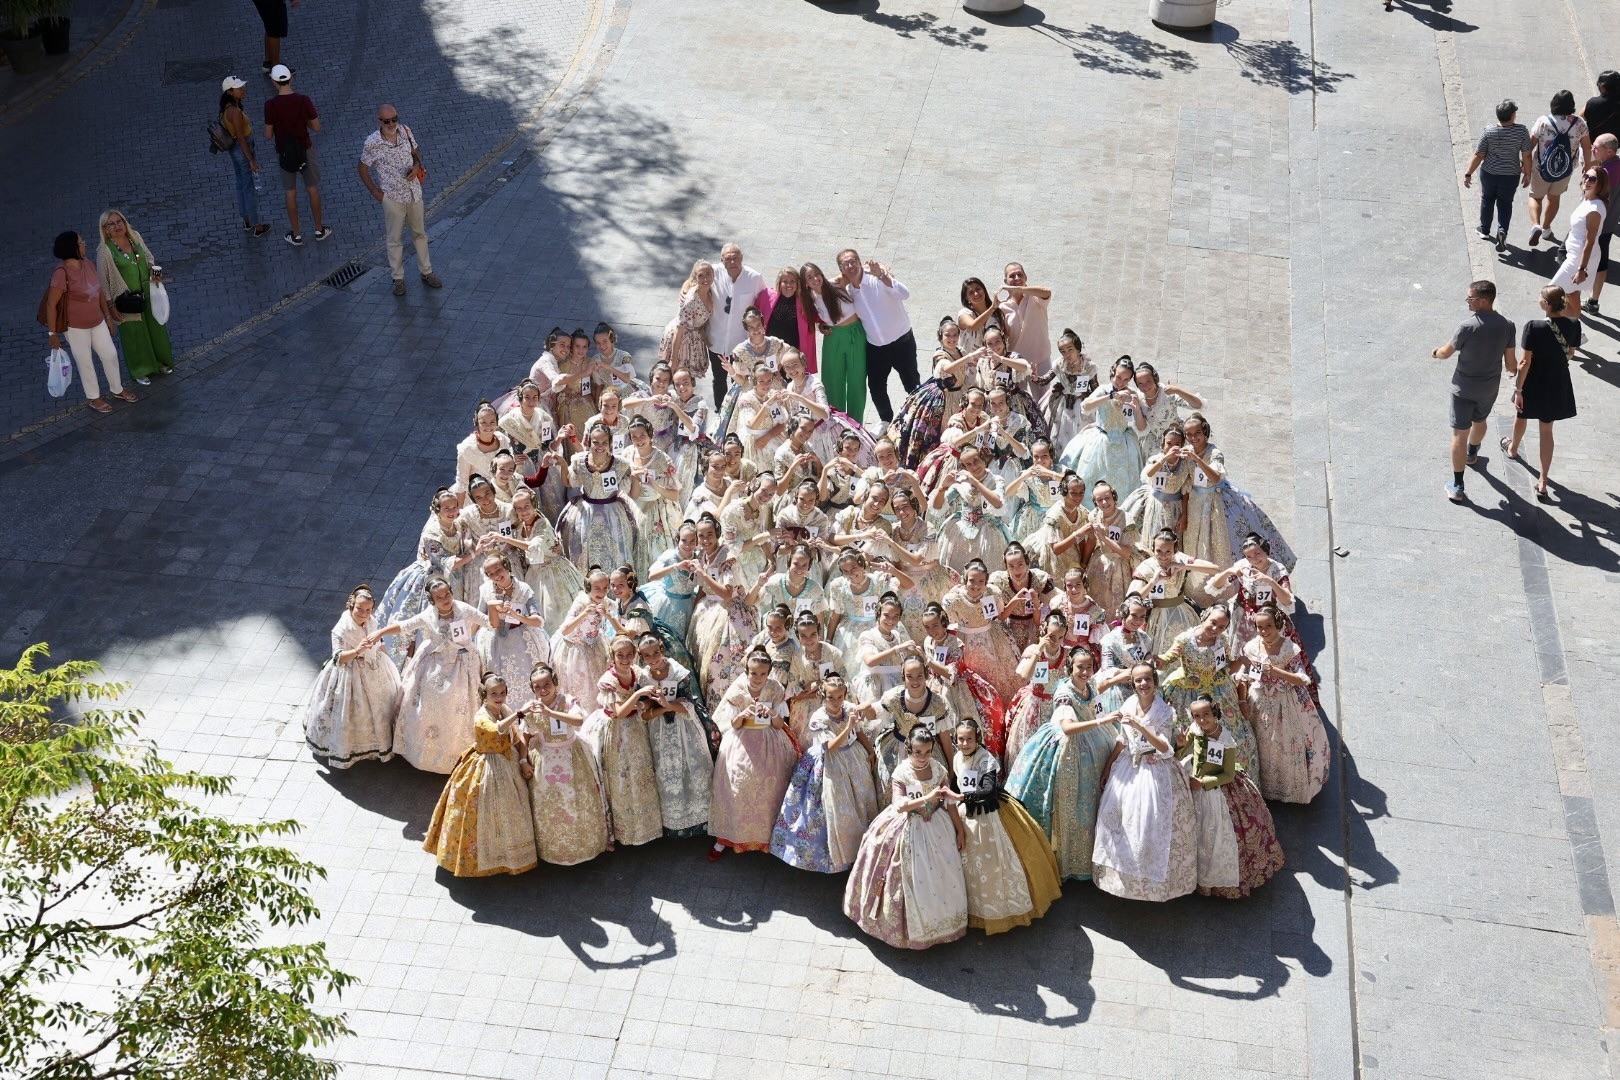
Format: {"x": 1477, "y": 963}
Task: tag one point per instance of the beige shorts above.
{"x": 1540, "y": 189}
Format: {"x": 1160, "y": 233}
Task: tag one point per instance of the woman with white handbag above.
{"x": 126, "y": 267}
{"x": 76, "y": 288}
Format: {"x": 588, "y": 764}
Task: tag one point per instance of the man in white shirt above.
{"x": 1024, "y": 316}
{"x": 880, "y": 300}
{"x": 736, "y": 289}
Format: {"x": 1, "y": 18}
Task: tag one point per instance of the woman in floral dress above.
{"x": 1161, "y": 580}
{"x": 1001, "y": 369}
{"x": 975, "y": 610}
{"x": 880, "y": 650}
{"x": 723, "y": 624}
{"x": 747, "y": 524}
{"x": 476, "y": 453}
{"x": 444, "y": 550}
{"x": 682, "y": 744}
{"x": 658, "y": 516}
{"x": 813, "y": 662}
{"x": 620, "y": 728}
{"x": 1072, "y": 382}
{"x": 515, "y": 640}
{"x": 1163, "y": 495}
{"x": 907, "y": 887}
{"x": 1011, "y": 438}
{"x": 539, "y": 553}
{"x": 1059, "y": 773}
{"x": 1161, "y": 405}
{"x": 540, "y": 445}
{"x": 579, "y": 647}
{"x": 1041, "y": 668}
{"x": 349, "y": 714}
{"x": 1110, "y": 449}
{"x": 1198, "y": 665}
{"x": 1035, "y": 491}
{"x": 1025, "y": 594}
{"x": 1237, "y": 842}
{"x": 671, "y": 584}
{"x": 905, "y": 708}
{"x": 1123, "y": 647}
{"x": 969, "y": 427}
{"x": 482, "y": 824}
{"x": 969, "y": 501}
{"x": 1087, "y": 620}
{"x": 852, "y": 605}
{"x": 1147, "y": 844}
{"x": 965, "y": 691}
{"x": 599, "y": 528}
{"x": 757, "y": 758}
{"x": 1012, "y": 875}
{"x": 685, "y": 344}
{"x": 439, "y": 690}
{"x": 916, "y": 550}
{"x": 832, "y": 796}
{"x": 917, "y": 426}
{"x": 762, "y": 417}
{"x": 1261, "y": 580}
{"x": 566, "y": 793}
{"x": 1293, "y": 746}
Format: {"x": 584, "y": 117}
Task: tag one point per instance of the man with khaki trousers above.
{"x": 391, "y": 168}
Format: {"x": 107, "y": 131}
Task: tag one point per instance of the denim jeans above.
{"x": 1496, "y": 192}
{"x": 247, "y": 200}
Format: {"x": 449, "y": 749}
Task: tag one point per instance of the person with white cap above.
{"x": 391, "y": 168}
{"x": 289, "y": 118}
{"x": 231, "y": 92}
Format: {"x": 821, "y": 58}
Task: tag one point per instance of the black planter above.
{"x": 26, "y": 54}
{"x": 53, "y": 34}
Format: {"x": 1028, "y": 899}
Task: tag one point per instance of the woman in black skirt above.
{"x": 1542, "y": 390}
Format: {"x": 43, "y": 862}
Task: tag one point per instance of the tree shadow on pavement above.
{"x": 922, "y": 24}
{"x": 1119, "y": 52}
{"x": 1281, "y": 63}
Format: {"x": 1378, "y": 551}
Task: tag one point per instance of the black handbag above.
{"x": 129, "y": 303}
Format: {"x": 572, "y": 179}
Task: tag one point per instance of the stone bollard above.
{"x": 1182, "y": 14}
{"x": 992, "y": 7}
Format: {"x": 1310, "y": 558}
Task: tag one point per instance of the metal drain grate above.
{"x": 178, "y": 72}
{"x": 344, "y": 275}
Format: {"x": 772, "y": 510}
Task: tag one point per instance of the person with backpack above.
{"x": 289, "y": 118}
{"x": 391, "y": 168}
{"x": 1553, "y": 143}
{"x": 232, "y": 133}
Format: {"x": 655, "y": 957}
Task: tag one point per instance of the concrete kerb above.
{"x": 603, "y": 28}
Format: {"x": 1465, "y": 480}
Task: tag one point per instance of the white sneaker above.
{"x": 1535, "y": 236}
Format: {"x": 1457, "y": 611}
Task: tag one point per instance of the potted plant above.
{"x": 19, "y": 38}
{"x": 53, "y": 25}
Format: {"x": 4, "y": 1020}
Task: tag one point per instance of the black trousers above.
{"x": 719, "y": 378}
{"x": 899, "y": 356}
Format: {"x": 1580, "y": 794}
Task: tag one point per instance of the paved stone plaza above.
{"x": 1269, "y": 212}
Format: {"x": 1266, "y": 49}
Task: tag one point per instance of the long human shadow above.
{"x": 1597, "y": 366}
{"x": 1435, "y": 14}
{"x": 1595, "y": 538}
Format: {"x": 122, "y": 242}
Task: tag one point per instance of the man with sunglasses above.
{"x": 391, "y": 168}
{"x": 736, "y": 289}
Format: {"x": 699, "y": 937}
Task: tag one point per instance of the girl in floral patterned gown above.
{"x": 658, "y": 515}
{"x": 1059, "y": 542}
{"x": 880, "y": 650}
{"x": 1072, "y": 382}
{"x": 1110, "y": 449}
{"x": 1161, "y": 580}
{"x": 1147, "y": 845}
{"x": 1113, "y": 549}
{"x": 682, "y": 745}
{"x": 566, "y": 793}
{"x": 540, "y": 446}
{"x": 671, "y": 582}
{"x": 1261, "y": 580}
{"x": 813, "y": 661}
{"x": 757, "y": 758}
{"x": 540, "y": 560}
{"x": 482, "y": 824}
{"x": 986, "y": 647}
{"x": 966, "y": 691}
{"x": 1237, "y": 842}
{"x": 598, "y": 528}
{"x": 620, "y": 729}
{"x": 1041, "y": 669}
{"x": 969, "y": 501}
{"x": 439, "y": 686}
{"x": 907, "y": 887}
{"x": 852, "y": 604}
{"x": 1293, "y": 744}
{"x": 444, "y": 550}
{"x": 723, "y": 624}
{"x": 579, "y": 647}
{"x": 515, "y": 639}
{"x": 349, "y": 715}
{"x": 1011, "y": 873}
{"x": 1059, "y": 773}
{"x": 832, "y": 796}
{"x": 1198, "y": 665}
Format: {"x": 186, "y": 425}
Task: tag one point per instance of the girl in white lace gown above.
{"x": 349, "y": 715}
{"x": 440, "y": 681}
{"x": 515, "y": 640}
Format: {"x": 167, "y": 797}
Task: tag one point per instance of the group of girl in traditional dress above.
{"x": 1032, "y": 633}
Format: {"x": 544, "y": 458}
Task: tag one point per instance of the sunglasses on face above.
{"x": 387, "y": 119}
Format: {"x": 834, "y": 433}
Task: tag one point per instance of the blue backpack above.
{"x": 1557, "y": 158}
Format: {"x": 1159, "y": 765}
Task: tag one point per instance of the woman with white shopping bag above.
{"x": 125, "y": 265}
{"x": 80, "y": 312}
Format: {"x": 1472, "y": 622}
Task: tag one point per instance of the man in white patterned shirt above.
{"x": 391, "y": 168}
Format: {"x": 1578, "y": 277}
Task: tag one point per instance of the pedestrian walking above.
{"x": 391, "y": 168}
{"x": 289, "y": 117}
{"x": 1602, "y": 113}
{"x": 736, "y": 289}
{"x": 79, "y": 311}
{"x": 126, "y": 266}
{"x": 1483, "y": 340}
{"x": 1023, "y": 314}
{"x": 1580, "y": 266}
{"x": 1554, "y": 139}
{"x": 243, "y": 161}
{"x": 1542, "y": 390}
{"x": 1503, "y": 160}
{"x": 879, "y": 300}
{"x": 273, "y": 13}
{"x": 1606, "y": 154}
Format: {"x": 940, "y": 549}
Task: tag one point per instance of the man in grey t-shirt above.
{"x": 1483, "y": 345}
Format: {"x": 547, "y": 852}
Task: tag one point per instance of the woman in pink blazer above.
{"x": 786, "y": 318}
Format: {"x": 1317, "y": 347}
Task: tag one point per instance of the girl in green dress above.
{"x": 125, "y": 265}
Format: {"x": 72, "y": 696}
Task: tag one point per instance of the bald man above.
{"x": 391, "y": 168}
{"x": 736, "y": 289}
